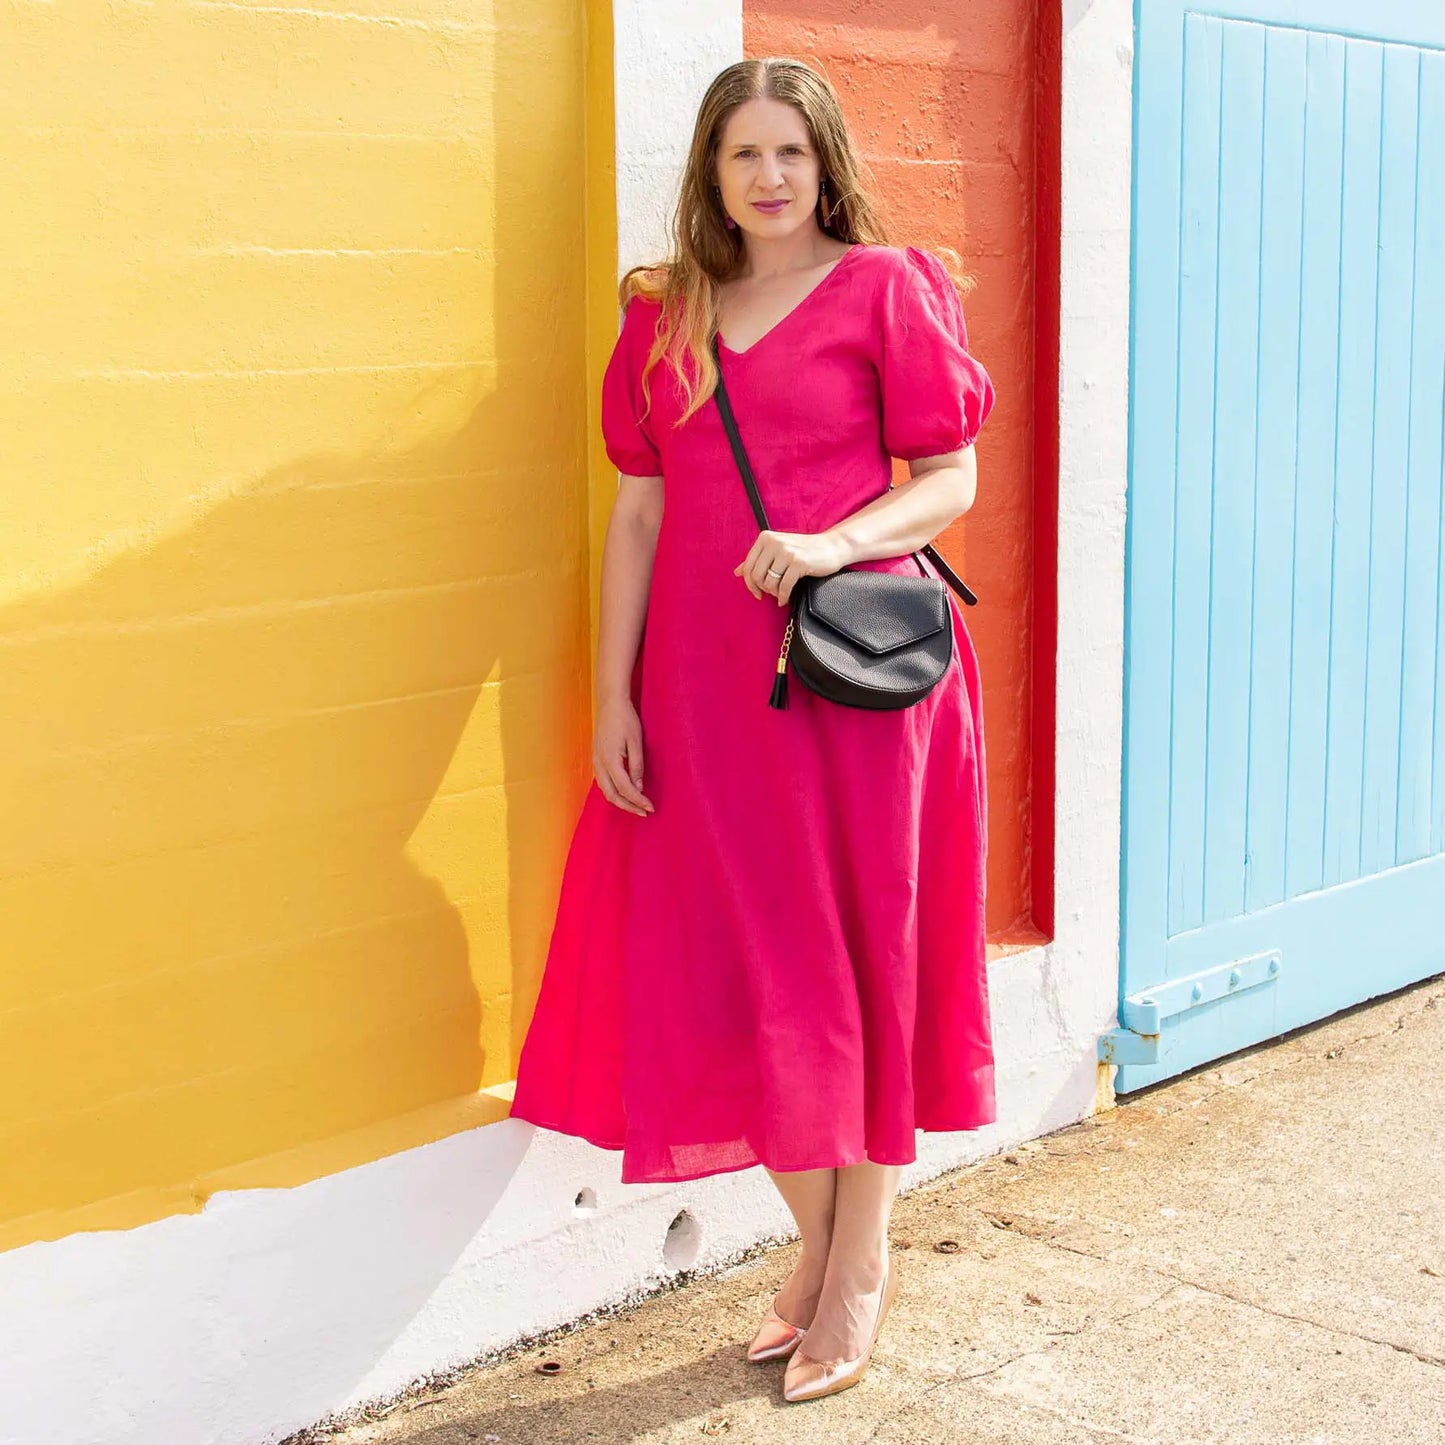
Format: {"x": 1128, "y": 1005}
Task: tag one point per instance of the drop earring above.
{"x": 728, "y": 221}
{"x": 823, "y": 201}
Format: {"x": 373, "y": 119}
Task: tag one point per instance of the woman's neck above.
{"x": 807, "y": 248}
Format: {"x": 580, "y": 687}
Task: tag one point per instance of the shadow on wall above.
{"x": 221, "y": 759}
{"x": 264, "y": 808}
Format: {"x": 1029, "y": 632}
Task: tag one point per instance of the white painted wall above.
{"x": 664, "y": 56}
{"x": 274, "y": 1308}
{"x": 1096, "y": 131}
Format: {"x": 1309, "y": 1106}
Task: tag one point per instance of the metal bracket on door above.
{"x": 1142, "y": 1014}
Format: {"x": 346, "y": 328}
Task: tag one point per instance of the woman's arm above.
{"x": 627, "y": 558}
{"x": 939, "y": 489}
{"x": 902, "y": 520}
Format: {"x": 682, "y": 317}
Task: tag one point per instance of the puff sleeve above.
{"x": 626, "y": 434}
{"x": 935, "y": 396}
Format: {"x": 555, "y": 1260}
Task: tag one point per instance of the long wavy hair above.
{"x": 705, "y": 253}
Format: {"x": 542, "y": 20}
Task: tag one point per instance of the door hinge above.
{"x": 1142, "y": 1014}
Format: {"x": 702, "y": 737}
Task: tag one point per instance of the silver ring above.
{"x": 773, "y": 572}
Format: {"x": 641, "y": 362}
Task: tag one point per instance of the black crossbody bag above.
{"x": 861, "y": 638}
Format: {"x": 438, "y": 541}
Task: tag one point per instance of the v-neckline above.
{"x": 787, "y": 315}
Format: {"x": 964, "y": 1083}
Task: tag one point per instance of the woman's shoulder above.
{"x": 902, "y": 262}
{"x": 640, "y": 316}
{"x": 640, "y": 307}
{"x": 642, "y": 291}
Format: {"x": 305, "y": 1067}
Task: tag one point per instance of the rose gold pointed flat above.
{"x": 775, "y": 1338}
{"x": 809, "y": 1379}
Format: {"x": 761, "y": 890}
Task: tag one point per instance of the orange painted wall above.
{"x": 941, "y": 101}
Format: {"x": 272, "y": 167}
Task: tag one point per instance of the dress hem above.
{"x": 756, "y": 1163}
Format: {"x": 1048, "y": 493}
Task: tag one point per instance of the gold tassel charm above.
{"x": 779, "y": 699}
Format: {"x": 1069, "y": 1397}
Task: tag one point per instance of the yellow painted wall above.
{"x": 297, "y": 392}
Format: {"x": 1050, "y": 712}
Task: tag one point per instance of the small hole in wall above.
{"x": 585, "y": 1203}
{"x": 684, "y": 1239}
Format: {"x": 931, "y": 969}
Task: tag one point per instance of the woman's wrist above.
{"x": 610, "y": 692}
{"x": 845, "y": 551}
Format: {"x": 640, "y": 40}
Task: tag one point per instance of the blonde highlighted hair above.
{"x": 705, "y": 252}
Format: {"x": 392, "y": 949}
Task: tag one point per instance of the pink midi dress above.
{"x": 784, "y": 963}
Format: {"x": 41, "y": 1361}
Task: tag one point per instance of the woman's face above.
{"x": 765, "y": 154}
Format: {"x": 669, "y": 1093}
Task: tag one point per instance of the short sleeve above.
{"x": 626, "y": 433}
{"x": 936, "y": 396}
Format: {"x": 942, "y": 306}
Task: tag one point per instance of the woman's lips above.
{"x": 770, "y": 208}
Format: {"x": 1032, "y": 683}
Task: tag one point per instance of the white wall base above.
{"x": 274, "y": 1308}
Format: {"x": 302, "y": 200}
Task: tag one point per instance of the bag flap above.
{"x": 878, "y": 611}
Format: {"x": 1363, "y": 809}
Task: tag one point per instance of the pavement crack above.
{"x": 1219, "y": 1291}
{"x": 1424, "y": 1356}
{"x": 1091, "y": 1323}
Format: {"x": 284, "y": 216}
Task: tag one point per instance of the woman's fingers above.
{"x": 749, "y": 581}
{"x": 617, "y": 757}
{"x": 607, "y": 780}
{"x": 631, "y": 780}
{"x": 764, "y": 554}
{"x": 619, "y": 788}
{"x": 786, "y": 583}
{"x": 765, "y": 575}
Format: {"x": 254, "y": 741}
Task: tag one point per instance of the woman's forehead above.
{"x": 764, "y": 121}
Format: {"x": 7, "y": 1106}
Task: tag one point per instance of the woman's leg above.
{"x": 852, "y": 1288}
{"x": 809, "y": 1194}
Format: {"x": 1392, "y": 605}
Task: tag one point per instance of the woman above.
{"x": 769, "y": 947}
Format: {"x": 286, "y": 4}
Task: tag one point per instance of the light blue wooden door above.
{"x": 1284, "y": 758}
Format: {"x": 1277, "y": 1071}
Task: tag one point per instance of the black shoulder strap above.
{"x": 730, "y": 426}
{"x": 949, "y": 575}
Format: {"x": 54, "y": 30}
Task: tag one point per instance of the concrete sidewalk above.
{"x": 1254, "y": 1253}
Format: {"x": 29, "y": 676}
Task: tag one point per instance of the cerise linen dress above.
{"x": 784, "y": 963}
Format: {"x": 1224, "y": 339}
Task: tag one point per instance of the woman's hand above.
{"x": 777, "y": 560}
{"x": 617, "y": 755}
